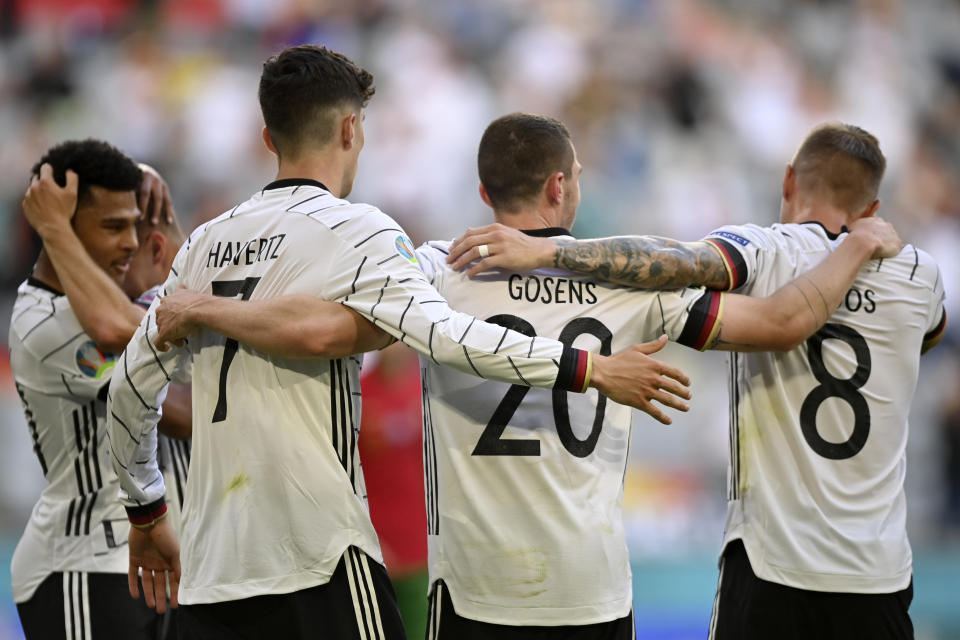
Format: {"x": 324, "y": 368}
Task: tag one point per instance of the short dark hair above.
{"x": 96, "y": 163}
{"x": 842, "y": 161}
{"x": 302, "y": 88}
{"x": 518, "y": 152}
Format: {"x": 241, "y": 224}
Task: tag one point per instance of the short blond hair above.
{"x": 843, "y": 163}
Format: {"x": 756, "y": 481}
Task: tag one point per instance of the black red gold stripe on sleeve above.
{"x": 145, "y": 515}
{"x": 574, "y": 375}
{"x": 732, "y": 260}
{"x": 703, "y": 321}
{"x": 934, "y": 336}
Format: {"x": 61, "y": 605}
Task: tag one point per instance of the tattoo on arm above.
{"x": 647, "y": 262}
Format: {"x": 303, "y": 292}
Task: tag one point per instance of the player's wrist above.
{"x": 146, "y": 516}
{"x": 55, "y": 231}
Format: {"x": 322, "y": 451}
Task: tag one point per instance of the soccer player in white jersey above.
{"x": 516, "y": 478}
{"x": 815, "y": 543}
{"x": 276, "y": 535}
{"x": 68, "y": 569}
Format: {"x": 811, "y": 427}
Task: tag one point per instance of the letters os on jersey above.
{"x": 276, "y": 492}
{"x": 524, "y": 486}
{"x": 818, "y": 434}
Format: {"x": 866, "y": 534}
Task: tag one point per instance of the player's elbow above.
{"x": 111, "y": 338}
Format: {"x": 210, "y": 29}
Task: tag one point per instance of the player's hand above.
{"x": 156, "y": 552}
{"x": 633, "y": 378}
{"x": 47, "y": 206}
{"x": 508, "y": 249}
{"x": 153, "y": 197}
{"x": 880, "y": 233}
{"x": 176, "y": 318}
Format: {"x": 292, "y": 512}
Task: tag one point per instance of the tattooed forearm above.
{"x": 647, "y": 262}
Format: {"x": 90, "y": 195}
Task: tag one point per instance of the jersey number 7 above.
{"x": 229, "y": 289}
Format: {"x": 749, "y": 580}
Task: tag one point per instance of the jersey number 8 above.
{"x": 844, "y": 388}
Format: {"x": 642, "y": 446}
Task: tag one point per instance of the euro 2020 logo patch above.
{"x": 93, "y": 363}
{"x": 405, "y": 248}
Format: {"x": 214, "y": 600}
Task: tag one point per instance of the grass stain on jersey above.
{"x": 238, "y": 482}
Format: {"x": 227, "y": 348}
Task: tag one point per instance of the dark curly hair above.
{"x": 301, "y": 90}
{"x": 95, "y": 162}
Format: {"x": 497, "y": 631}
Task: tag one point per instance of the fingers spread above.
{"x": 654, "y": 345}
{"x": 672, "y": 372}
{"x": 674, "y": 387}
{"x": 147, "y": 583}
{"x": 132, "y": 582}
{"x": 160, "y": 589}
{"x": 670, "y": 400}
{"x": 654, "y": 411}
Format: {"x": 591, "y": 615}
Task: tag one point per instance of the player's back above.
{"x": 821, "y": 431}
{"x": 524, "y": 485}
{"x": 275, "y": 493}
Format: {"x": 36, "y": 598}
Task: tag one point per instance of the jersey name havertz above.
{"x": 550, "y": 289}
{"x": 249, "y": 252}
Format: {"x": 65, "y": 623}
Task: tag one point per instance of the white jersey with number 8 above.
{"x": 818, "y": 434}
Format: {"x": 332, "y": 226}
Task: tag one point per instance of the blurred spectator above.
{"x": 391, "y": 451}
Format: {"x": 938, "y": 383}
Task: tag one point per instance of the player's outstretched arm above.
{"x": 633, "y": 378}
{"x": 647, "y": 262}
{"x": 793, "y": 313}
{"x": 104, "y": 311}
{"x": 294, "y": 326}
{"x": 155, "y": 555}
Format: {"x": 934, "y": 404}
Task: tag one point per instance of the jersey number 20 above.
{"x": 491, "y": 444}
{"x": 847, "y": 389}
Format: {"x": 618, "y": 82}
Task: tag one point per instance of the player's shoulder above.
{"x": 743, "y": 236}
{"x": 41, "y": 316}
{"x": 915, "y": 265}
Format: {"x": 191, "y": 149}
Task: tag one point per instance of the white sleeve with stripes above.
{"x": 395, "y": 294}
{"x": 137, "y": 390}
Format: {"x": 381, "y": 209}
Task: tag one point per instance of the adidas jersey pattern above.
{"x": 818, "y": 434}
{"x": 524, "y": 486}
{"x": 173, "y": 454}
{"x": 78, "y": 524}
{"x": 277, "y": 479}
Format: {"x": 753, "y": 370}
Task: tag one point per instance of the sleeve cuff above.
{"x": 576, "y": 367}
{"x": 146, "y": 515}
{"x": 732, "y": 260}
{"x": 703, "y": 321}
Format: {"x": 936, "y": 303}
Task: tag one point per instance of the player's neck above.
{"x": 833, "y": 219}
{"x": 528, "y": 219}
{"x": 323, "y": 169}
{"x": 45, "y": 273}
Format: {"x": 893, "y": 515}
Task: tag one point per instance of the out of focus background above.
{"x": 684, "y": 114}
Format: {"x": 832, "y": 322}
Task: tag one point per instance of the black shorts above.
{"x": 748, "y": 608}
{"x": 78, "y": 605}
{"x": 443, "y": 623}
{"x": 358, "y": 603}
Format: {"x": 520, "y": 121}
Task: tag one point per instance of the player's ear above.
{"x": 156, "y": 244}
{"x": 870, "y": 210}
{"x": 789, "y": 182}
{"x": 485, "y": 196}
{"x": 554, "y": 187}
{"x": 348, "y": 130}
{"x": 268, "y": 140}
